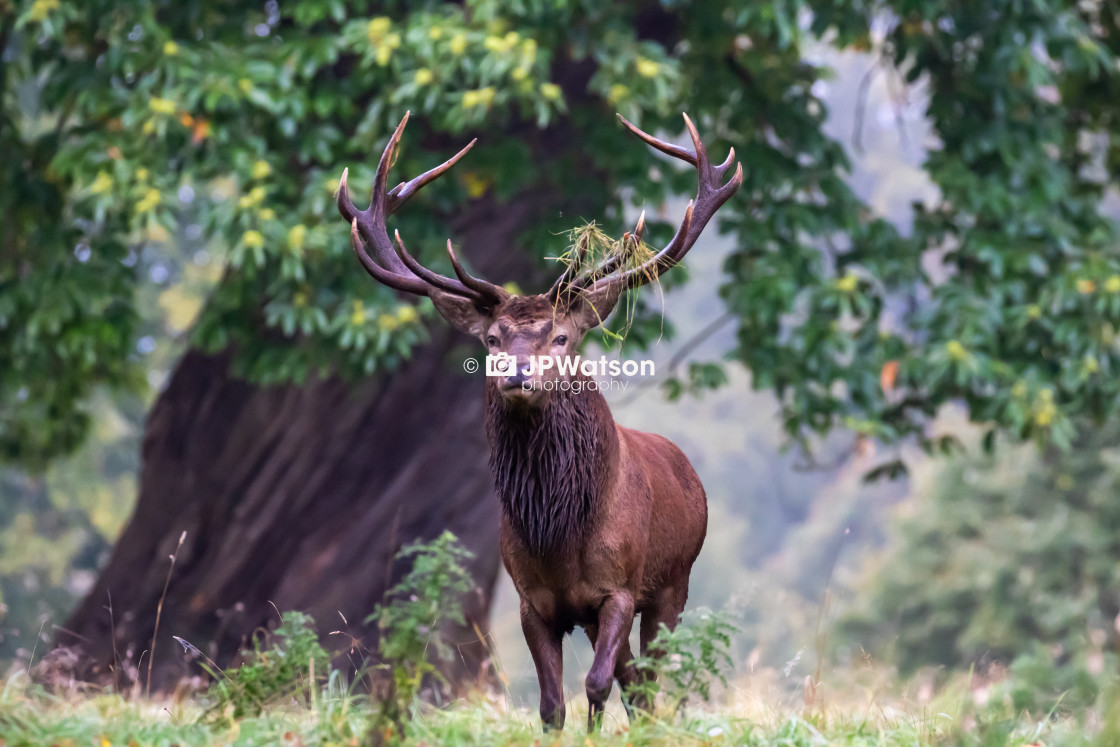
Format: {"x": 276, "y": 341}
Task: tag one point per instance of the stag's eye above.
{"x": 492, "y": 341}
{"x": 561, "y": 340}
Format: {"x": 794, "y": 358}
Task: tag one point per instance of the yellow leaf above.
{"x": 101, "y": 183}
{"x": 647, "y": 68}
{"x": 551, "y": 91}
{"x": 150, "y": 199}
{"x": 847, "y": 284}
{"x": 377, "y": 28}
{"x": 170, "y": 48}
{"x": 40, "y": 9}
{"x": 161, "y": 106}
{"x": 475, "y": 184}
{"x": 296, "y": 236}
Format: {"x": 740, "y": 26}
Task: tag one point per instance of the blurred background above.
{"x": 892, "y": 365}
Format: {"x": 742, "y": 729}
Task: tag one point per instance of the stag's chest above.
{"x": 567, "y": 587}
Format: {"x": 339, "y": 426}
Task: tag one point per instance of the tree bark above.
{"x": 299, "y": 497}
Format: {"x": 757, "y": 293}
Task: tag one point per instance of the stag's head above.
{"x": 532, "y": 326}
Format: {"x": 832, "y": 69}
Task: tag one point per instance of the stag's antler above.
{"x": 394, "y": 266}
{"x": 711, "y": 193}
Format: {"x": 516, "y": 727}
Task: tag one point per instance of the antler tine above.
{"x": 722, "y": 168}
{"x": 345, "y": 204}
{"x": 394, "y": 266}
{"x": 396, "y": 281}
{"x": 667, "y": 148}
{"x": 404, "y": 191}
{"x": 479, "y": 286}
{"x": 640, "y": 228}
{"x": 711, "y": 193}
{"x": 371, "y": 222}
{"x": 376, "y": 199}
{"x": 701, "y": 161}
{"x": 433, "y": 278}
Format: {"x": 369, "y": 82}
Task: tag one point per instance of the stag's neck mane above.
{"x": 551, "y": 465}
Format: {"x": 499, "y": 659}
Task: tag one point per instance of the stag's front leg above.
{"x": 616, "y": 617}
{"x": 546, "y": 646}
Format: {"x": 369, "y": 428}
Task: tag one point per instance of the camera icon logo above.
{"x": 501, "y": 364}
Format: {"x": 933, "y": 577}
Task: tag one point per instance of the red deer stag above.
{"x": 599, "y": 522}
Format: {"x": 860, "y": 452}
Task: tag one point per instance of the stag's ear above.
{"x": 460, "y": 313}
{"x": 592, "y": 307}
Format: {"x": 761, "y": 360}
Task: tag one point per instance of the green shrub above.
{"x": 690, "y": 660}
{"x": 1044, "y": 680}
{"x": 409, "y": 624}
{"x": 289, "y": 664}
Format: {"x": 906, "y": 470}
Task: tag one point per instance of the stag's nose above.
{"x": 520, "y": 378}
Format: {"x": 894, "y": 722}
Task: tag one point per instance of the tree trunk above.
{"x": 298, "y": 497}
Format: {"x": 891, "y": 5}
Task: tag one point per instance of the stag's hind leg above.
{"x": 665, "y": 609}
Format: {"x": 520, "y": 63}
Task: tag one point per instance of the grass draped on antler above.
{"x": 593, "y": 254}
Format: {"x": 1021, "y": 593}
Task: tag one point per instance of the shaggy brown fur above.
{"x": 550, "y": 465}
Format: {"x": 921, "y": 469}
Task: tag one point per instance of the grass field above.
{"x": 748, "y": 716}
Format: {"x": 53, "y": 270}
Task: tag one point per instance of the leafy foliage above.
{"x": 1007, "y": 561}
{"x": 427, "y": 597}
{"x": 290, "y": 664}
{"x": 142, "y": 123}
{"x": 687, "y": 660}
{"x": 1017, "y": 317}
